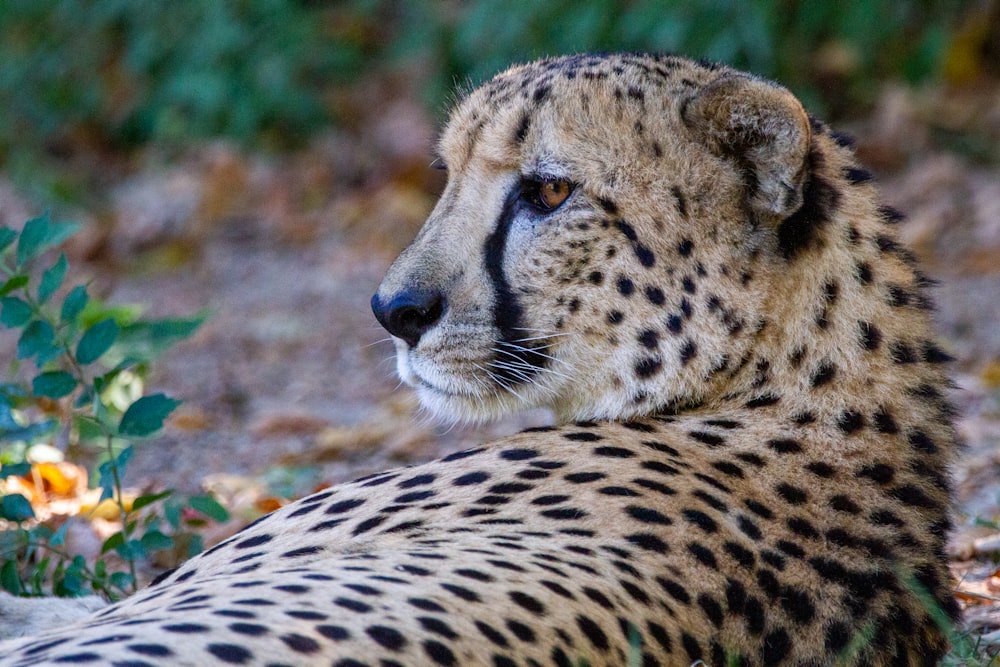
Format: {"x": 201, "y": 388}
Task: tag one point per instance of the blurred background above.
{"x": 265, "y": 160}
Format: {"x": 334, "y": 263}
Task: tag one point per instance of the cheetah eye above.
{"x": 546, "y": 196}
{"x": 438, "y": 164}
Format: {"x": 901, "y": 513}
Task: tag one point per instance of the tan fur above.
{"x": 758, "y": 472}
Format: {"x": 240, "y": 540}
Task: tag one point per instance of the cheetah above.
{"x": 750, "y": 460}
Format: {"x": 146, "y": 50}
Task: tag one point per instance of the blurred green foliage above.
{"x": 119, "y": 73}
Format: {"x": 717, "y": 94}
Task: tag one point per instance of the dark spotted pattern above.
{"x": 772, "y": 482}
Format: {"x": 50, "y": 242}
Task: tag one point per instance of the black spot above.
{"x": 836, "y": 635}
{"x": 417, "y": 480}
{"x": 582, "y": 436}
{"x": 584, "y": 477}
{"x": 898, "y": 296}
{"x": 792, "y": 495}
{"x": 593, "y": 633}
{"x": 785, "y": 446}
{"x": 675, "y": 324}
{"x": 729, "y": 469}
{"x": 749, "y": 527}
{"x": 935, "y": 355}
{"x": 703, "y": 554}
{"x": 884, "y": 422}
{"x": 857, "y": 176}
{"x": 564, "y": 514}
{"x": 688, "y": 285}
{"x": 344, "y": 506}
{"x": 527, "y": 602}
{"x": 902, "y": 353}
{"x": 471, "y": 478}
{"x": 820, "y": 469}
{"x": 438, "y": 652}
{"x": 521, "y": 631}
{"x": 615, "y": 317}
{"x": 913, "y": 495}
{"x": 763, "y": 401}
{"x": 518, "y": 454}
{"x": 863, "y": 271}
{"x": 922, "y": 442}
{"x": 461, "y": 592}
{"x": 610, "y": 208}
{"x": 300, "y": 643}
{"x": 871, "y": 337}
{"x": 492, "y": 634}
{"x": 649, "y": 339}
{"x": 522, "y": 128}
{"x": 688, "y": 352}
{"x": 842, "y": 503}
{"x": 230, "y": 653}
{"x": 333, "y": 632}
{"x": 759, "y": 509}
{"x": 740, "y": 554}
{"x": 649, "y": 542}
{"x": 824, "y": 374}
{"x": 648, "y": 515}
{"x": 879, "y": 473}
{"x": 691, "y": 646}
{"x": 775, "y": 647}
{"x": 850, "y": 421}
{"x": 712, "y": 609}
{"x": 700, "y": 519}
{"x": 625, "y": 286}
{"x": 751, "y": 458}
{"x": 802, "y": 527}
{"x": 655, "y": 295}
{"x": 647, "y": 367}
{"x": 684, "y": 247}
{"x": 710, "y": 439}
{"x": 257, "y": 540}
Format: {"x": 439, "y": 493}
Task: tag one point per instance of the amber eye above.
{"x": 551, "y": 194}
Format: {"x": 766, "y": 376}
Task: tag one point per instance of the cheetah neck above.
{"x": 849, "y": 354}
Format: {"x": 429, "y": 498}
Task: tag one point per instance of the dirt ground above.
{"x": 290, "y": 383}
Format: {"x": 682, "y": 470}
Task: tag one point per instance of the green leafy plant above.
{"x": 86, "y": 362}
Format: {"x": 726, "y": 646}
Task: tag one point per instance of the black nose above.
{"x": 409, "y": 314}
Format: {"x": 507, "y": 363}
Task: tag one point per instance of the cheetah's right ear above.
{"x": 764, "y": 129}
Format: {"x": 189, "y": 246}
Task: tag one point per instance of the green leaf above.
{"x": 146, "y": 415}
{"x": 14, "y": 312}
{"x": 7, "y": 236}
{"x": 52, "y": 279}
{"x": 14, "y": 283}
{"x": 154, "y": 540}
{"x": 113, "y": 542}
{"x": 53, "y": 384}
{"x": 59, "y": 537}
{"x": 37, "y": 339}
{"x": 147, "y": 340}
{"x": 33, "y": 235}
{"x": 149, "y": 499}
{"x": 96, "y": 341}
{"x": 39, "y": 234}
{"x": 106, "y": 475}
{"x": 210, "y": 507}
{"x": 73, "y": 304}
{"x": 131, "y": 550}
{"x": 9, "y": 579}
{"x": 12, "y": 469}
{"x": 121, "y": 580}
{"x": 15, "y": 507}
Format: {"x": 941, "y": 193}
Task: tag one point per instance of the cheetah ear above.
{"x": 764, "y": 129}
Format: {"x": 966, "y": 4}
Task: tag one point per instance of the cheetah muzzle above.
{"x": 750, "y": 466}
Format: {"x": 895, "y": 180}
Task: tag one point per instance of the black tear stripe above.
{"x": 508, "y": 315}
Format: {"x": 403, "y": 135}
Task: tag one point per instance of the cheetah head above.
{"x": 601, "y": 247}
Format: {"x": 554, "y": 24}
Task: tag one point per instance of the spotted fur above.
{"x": 750, "y": 465}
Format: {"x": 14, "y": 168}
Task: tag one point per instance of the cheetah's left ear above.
{"x": 764, "y": 129}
